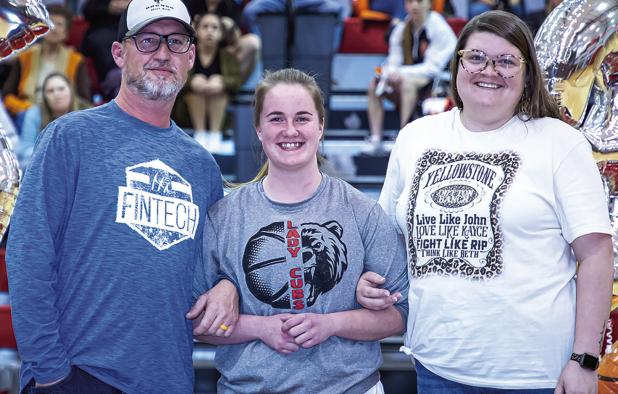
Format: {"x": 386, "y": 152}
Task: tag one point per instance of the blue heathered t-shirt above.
{"x": 102, "y": 249}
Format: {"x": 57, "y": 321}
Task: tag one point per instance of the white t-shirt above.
{"x": 488, "y": 219}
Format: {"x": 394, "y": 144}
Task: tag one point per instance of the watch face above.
{"x": 589, "y": 362}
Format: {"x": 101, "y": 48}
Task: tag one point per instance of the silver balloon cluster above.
{"x": 21, "y": 22}
{"x": 577, "y": 46}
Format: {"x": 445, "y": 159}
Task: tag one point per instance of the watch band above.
{"x": 585, "y": 360}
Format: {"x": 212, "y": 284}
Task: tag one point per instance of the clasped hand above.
{"x": 287, "y": 333}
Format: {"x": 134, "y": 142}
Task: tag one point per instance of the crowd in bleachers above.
{"x": 228, "y": 48}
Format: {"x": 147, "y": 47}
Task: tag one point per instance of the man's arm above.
{"x": 32, "y": 261}
{"x": 267, "y": 329}
{"x": 216, "y": 299}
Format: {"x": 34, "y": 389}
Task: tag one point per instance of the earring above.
{"x": 524, "y": 104}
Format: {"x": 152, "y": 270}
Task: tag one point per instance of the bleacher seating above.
{"x": 4, "y": 283}
{"x": 364, "y": 31}
{"x": 7, "y": 339}
{"x": 364, "y": 36}
{"x": 457, "y": 24}
{"x": 79, "y": 25}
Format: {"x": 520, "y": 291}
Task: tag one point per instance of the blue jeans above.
{"x": 77, "y": 382}
{"x": 428, "y": 382}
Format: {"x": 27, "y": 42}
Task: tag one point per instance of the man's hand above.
{"x": 576, "y": 380}
{"x": 370, "y": 296}
{"x": 215, "y": 310}
{"x": 272, "y": 334}
{"x": 309, "y": 329}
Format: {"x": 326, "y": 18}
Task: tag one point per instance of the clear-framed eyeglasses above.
{"x": 474, "y": 61}
{"x": 150, "y": 42}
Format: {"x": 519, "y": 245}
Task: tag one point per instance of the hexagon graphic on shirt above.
{"x": 157, "y": 203}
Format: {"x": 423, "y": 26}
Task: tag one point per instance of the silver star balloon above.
{"x": 21, "y": 22}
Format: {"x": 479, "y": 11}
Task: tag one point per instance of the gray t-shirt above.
{"x": 297, "y": 258}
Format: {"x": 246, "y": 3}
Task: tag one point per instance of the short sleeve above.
{"x": 581, "y": 202}
{"x": 393, "y": 182}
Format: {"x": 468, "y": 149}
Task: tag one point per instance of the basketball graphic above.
{"x": 263, "y": 263}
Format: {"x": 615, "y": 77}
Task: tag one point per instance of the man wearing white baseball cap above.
{"x": 139, "y": 14}
{"x": 108, "y": 227}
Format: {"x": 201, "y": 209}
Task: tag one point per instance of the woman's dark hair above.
{"x": 535, "y": 101}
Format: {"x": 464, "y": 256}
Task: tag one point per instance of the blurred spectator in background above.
{"x": 477, "y": 7}
{"x": 395, "y": 8}
{"x": 256, "y": 7}
{"x": 5, "y": 69}
{"x": 419, "y": 48}
{"x": 58, "y": 98}
{"x": 23, "y": 85}
{"x": 530, "y": 11}
{"x": 228, "y": 8}
{"x": 214, "y": 78}
{"x": 246, "y": 47}
{"x": 103, "y": 17}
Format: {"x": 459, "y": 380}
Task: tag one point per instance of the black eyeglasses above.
{"x": 150, "y": 42}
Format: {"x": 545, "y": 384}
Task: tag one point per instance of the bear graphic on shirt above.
{"x": 289, "y": 266}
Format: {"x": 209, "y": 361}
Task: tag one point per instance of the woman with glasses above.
{"x": 498, "y": 200}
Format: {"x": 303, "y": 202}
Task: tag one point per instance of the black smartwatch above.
{"x": 586, "y": 361}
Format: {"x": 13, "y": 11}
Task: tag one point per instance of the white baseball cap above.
{"x": 141, "y": 13}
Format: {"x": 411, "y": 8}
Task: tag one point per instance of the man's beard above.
{"x": 158, "y": 89}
